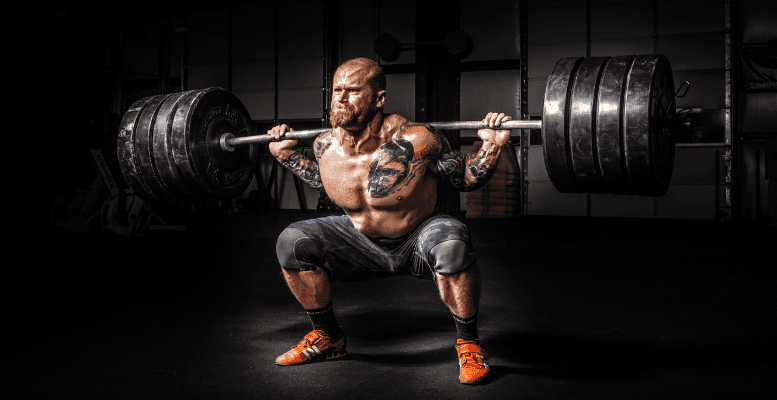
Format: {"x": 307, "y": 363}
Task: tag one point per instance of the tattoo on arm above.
{"x": 322, "y": 144}
{"x": 466, "y": 172}
{"x": 304, "y": 168}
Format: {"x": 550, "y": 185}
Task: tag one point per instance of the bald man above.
{"x": 382, "y": 170}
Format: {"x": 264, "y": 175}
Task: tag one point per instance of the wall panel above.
{"x": 254, "y": 18}
{"x": 688, "y": 16}
{"x": 622, "y": 21}
{"x": 398, "y": 18}
{"x": 260, "y": 105}
{"x": 707, "y": 89}
{"x": 756, "y": 22}
{"x": 542, "y": 57}
{"x": 205, "y": 76}
{"x": 557, "y": 26}
{"x": 257, "y": 45}
{"x": 759, "y": 113}
{"x": 358, "y": 33}
{"x": 301, "y": 42}
{"x": 400, "y": 95}
{"x": 300, "y": 73}
{"x": 300, "y": 103}
{"x": 141, "y": 55}
{"x": 494, "y": 28}
{"x": 486, "y": 91}
{"x": 626, "y": 47}
{"x": 253, "y": 76}
{"x": 694, "y": 51}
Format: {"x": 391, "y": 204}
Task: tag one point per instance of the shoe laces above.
{"x": 307, "y": 341}
{"x": 477, "y": 358}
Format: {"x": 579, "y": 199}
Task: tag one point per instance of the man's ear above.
{"x": 381, "y": 99}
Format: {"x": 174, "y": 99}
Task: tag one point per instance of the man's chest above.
{"x": 392, "y": 168}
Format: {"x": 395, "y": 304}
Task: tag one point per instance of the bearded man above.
{"x": 382, "y": 170}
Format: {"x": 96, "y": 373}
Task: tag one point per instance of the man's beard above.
{"x": 346, "y": 117}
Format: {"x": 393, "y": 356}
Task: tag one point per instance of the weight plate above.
{"x": 199, "y": 122}
{"x": 582, "y": 126}
{"x": 144, "y": 150}
{"x": 164, "y": 164}
{"x": 609, "y": 125}
{"x": 555, "y": 124}
{"x": 126, "y": 150}
{"x": 649, "y": 146}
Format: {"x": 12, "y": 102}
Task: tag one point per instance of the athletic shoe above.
{"x": 473, "y": 368}
{"x": 315, "y": 346}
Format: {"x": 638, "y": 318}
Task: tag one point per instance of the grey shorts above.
{"x": 440, "y": 245}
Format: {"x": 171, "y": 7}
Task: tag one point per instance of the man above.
{"x": 383, "y": 171}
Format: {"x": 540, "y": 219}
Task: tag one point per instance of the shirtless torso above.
{"x": 384, "y": 173}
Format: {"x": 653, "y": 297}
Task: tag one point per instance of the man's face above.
{"x": 353, "y": 101}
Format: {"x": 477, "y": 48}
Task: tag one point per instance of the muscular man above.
{"x": 383, "y": 171}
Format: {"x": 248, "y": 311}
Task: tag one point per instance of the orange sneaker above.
{"x": 473, "y": 368}
{"x": 315, "y": 346}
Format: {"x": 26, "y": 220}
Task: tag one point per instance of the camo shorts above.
{"x": 440, "y": 245}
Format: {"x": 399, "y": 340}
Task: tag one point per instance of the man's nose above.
{"x": 341, "y": 97}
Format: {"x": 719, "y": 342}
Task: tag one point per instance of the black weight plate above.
{"x": 609, "y": 125}
{"x": 144, "y": 154}
{"x": 582, "y": 126}
{"x": 198, "y": 125}
{"x": 662, "y": 145}
{"x": 127, "y": 149}
{"x": 164, "y": 163}
{"x": 649, "y": 148}
{"x": 555, "y": 125}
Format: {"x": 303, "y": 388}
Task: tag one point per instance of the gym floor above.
{"x": 582, "y": 308}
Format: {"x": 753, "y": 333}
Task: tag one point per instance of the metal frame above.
{"x": 523, "y": 163}
{"x": 729, "y": 151}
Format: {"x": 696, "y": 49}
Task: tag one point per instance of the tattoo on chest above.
{"x": 392, "y": 168}
{"x": 303, "y": 168}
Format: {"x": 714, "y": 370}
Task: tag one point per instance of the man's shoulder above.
{"x": 391, "y": 125}
{"x": 423, "y": 138}
{"x": 322, "y": 143}
{"x": 417, "y": 132}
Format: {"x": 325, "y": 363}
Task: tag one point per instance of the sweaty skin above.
{"x": 383, "y": 170}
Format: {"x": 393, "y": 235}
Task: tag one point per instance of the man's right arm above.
{"x": 303, "y": 167}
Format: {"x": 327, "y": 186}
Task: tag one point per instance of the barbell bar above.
{"x": 228, "y": 141}
{"x": 606, "y": 128}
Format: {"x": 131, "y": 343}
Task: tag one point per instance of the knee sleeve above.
{"x": 295, "y": 250}
{"x": 451, "y": 257}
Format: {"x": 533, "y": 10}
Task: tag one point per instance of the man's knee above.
{"x": 297, "y": 251}
{"x": 452, "y": 257}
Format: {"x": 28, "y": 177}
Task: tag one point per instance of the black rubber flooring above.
{"x": 573, "y": 308}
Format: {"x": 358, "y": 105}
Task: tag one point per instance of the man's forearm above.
{"x": 468, "y": 172}
{"x": 480, "y": 166}
{"x": 301, "y": 166}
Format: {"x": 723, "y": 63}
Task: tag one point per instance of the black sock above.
{"x": 323, "y": 319}
{"x": 466, "y": 328}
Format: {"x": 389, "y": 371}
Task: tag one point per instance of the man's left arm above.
{"x": 468, "y": 172}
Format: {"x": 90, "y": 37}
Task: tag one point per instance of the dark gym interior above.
{"x": 585, "y": 296}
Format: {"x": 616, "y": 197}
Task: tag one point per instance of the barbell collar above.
{"x": 228, "y": 141}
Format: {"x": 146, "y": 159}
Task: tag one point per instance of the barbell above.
{"x": 606, "y": 128}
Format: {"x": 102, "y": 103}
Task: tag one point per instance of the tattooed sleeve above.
{"x": 304, "y": 168}
{"x": 466, "y": 172}
{"x": 307, "y": 169}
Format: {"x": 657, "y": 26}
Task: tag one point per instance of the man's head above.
{"x": 358, "y": 93}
